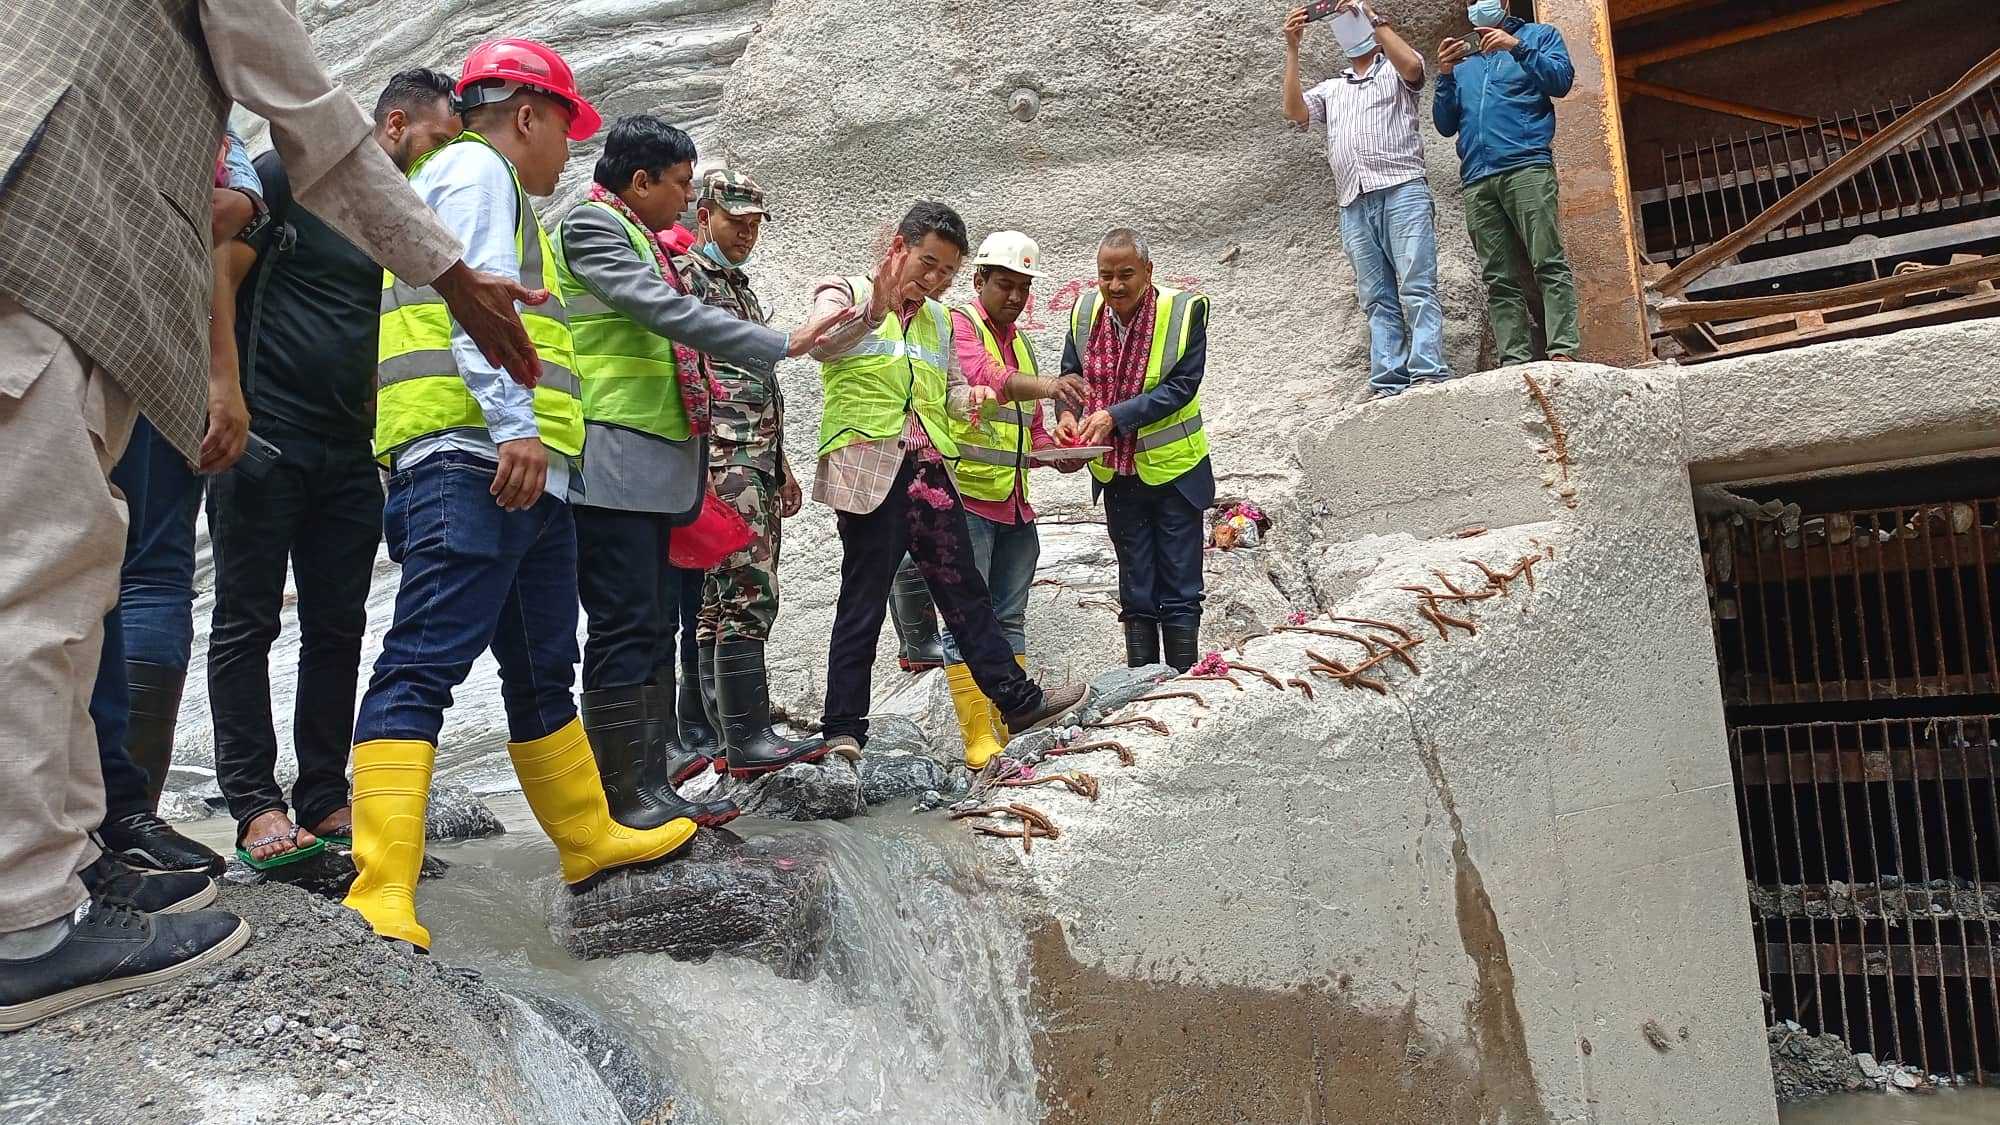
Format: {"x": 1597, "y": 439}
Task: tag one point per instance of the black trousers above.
{"x": 320, "y": 511}
{"x": 632, "y": 597}
{"x": 932, "y": 529}
{"x": 1158, "y": 536}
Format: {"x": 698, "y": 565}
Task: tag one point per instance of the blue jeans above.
{"x": 154, "y": 620}
{"x": 1391, "y": 239}
{"x": 156, "y": 586}
{"x": 1006, "y": 554}
{"x": 474, "y": 577}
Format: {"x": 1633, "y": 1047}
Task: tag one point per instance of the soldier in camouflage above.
{"x": 747, "y": 464}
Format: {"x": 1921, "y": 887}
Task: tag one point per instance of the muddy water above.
{"x": 1947, "y": 1107}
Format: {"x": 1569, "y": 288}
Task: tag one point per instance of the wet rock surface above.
{"x": 829, "y": 789}
{"x": 457, "y": 813}
{"x": 643, "y": 1092}
{"x": 766, "y": 896}
{"x": 315, "y": 1020}
{"x": 894, "y": 776}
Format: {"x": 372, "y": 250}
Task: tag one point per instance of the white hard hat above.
{"x": 1010, "y": 250}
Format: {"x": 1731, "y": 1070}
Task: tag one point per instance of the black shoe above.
{"x": 164, "y": 892}
{"x": 154, "y": 711}
{"x": 114, "y": 948}
{"x": 915, "y": 615}
{"x": 743, "y": 696}
{"x": 694, "y": 723}
{"x": 1182, "y": 640}
{"x": 1057, "y": 702}
{"x": 1142, "y": 642}
{"x": 145, "y": 841}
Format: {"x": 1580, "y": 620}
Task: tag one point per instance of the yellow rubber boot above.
{"x": 976, "y": 717}
{"x": 392, "y": 784}
{"x": 559, "y": 777}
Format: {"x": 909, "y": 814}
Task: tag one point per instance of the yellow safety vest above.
{"x": 630, "y": 377}
{"x": 991, "y": 460}
{"x": 419, "y": 390}
{"x": 872, "y": 389}
{"x": 1176, "y": 443}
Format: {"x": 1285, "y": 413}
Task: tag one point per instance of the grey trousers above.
{"x": 63, "y": 423}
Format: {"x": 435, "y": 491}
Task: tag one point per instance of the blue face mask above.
{"x": 716, "y": 255}
{"x": 1361, "y": 48}
{"x": 1486, "y": 13}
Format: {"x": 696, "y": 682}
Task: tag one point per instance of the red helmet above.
{"x": 535, "y": 66}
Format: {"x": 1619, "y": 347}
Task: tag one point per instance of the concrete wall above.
{"x": 1476, "y": 897}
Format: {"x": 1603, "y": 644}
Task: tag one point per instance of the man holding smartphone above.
{"x": 1505, "y": 132}
{"x": 1388, "y": 219}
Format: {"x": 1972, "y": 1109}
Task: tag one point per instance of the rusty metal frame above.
{"x": 1892, "y": 136}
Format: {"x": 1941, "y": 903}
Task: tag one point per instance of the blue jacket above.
{"x": 1499, "y": 105}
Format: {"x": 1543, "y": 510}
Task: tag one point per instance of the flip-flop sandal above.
{"x": 338, "y": 838}
{"x": 283, "y": 858}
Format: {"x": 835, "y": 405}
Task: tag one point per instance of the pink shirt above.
{"x": 981, "y": 371}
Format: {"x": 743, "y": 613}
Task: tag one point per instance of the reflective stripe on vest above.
{"x": 994, "y": 458}
{"x": 1174, "y": 444}
{"x": 419, "y": 389}
{"x": 629, "y": 374}
{"x": 871, "y": 390}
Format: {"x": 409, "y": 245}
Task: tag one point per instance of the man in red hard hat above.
{"x": 483, "y": 473}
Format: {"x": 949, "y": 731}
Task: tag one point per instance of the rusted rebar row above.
{"x": 1076, "y": 781}
{"x": 1558, "y": 437}
{"x": 1125, "y": 755}
{"x": 1033, "y": 823}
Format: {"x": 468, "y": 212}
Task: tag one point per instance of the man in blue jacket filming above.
{"x": 1494, "y": 93}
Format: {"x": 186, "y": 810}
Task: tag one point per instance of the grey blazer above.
{"x": 622, "y": 468}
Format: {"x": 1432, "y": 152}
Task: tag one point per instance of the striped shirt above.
{"x": 1371, "y": 129}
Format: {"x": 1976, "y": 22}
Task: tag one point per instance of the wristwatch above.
{"x": 260, "y": 216}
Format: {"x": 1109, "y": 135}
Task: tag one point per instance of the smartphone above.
{"x": 259, "y": 457}
{"x": 1320, "y": 9}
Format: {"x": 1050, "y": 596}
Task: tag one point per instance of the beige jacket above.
{"x": 110, "y": 117}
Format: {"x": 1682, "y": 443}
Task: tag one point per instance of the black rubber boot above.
{"x": 668, "y": 763}
{"x": 1142, "y": 642}
{"x": 680, "y": 762}
{"x": 1182, "y": 641}
{"x": 697, "y": 726}
{"x": 743, "y": 696}
{"x": 149, "y": 733}
{"x": 915, "y": 615}
{"x": 631, "y": 746}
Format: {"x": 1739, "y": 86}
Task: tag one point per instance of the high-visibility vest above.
{"x": 419, "y": 390}
{"x": 630, "y": 377}
{"x": 1176, "y": 443}
{"x": 872, "y": 389}
{"x": 992, "y": 460}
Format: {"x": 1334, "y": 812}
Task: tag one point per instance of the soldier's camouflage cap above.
{"x": 734, "y": 192}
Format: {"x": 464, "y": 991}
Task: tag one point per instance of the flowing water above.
{"x": 919, "y": 1012}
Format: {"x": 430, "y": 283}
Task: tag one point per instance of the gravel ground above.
{"x": 316, "y": 1020}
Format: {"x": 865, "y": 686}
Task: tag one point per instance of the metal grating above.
{"x": 1711, "y": 190}
{"x": 1859, "y": 665}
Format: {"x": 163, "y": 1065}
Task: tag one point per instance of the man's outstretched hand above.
{"x": 814, "y": 333}
{"x": 483, "y": 305}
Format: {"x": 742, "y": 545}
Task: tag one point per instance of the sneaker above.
{"x": 1057, "y": 702}
{"x": 168, "y": 892}
{"x": 114, "y": 948}
{"x": 145, "y": 841}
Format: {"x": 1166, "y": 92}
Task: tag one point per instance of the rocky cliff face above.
{"x": 1062, "y": 119}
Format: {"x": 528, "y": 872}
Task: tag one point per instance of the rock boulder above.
{"x": 766, "y": 896}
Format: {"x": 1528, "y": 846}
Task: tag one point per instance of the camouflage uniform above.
{"x": 746, "y": 464}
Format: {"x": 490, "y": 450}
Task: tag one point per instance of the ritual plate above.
{"x": 1064, "y": 454}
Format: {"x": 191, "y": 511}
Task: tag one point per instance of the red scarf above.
{"x": 697, "y": 374}
{"x": 1117, "y": 372}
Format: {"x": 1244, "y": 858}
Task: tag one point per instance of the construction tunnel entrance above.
{"x": 1860, "y": 666}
